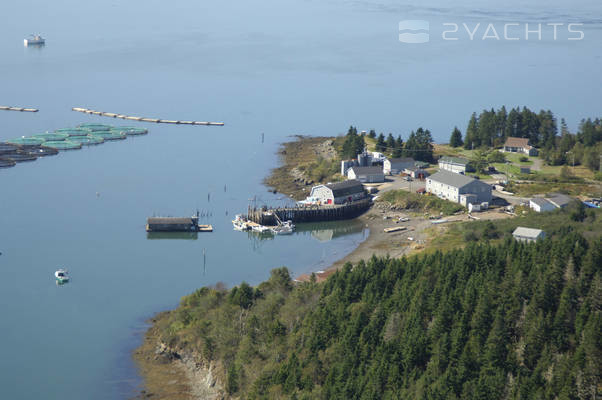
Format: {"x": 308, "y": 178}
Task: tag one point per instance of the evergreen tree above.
{"x": 381, "y": 145}
{"x": 471, "y": 139}
{"x": 456, "y": 138}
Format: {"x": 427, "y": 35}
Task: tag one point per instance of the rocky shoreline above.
{"x": 173, "y": 373}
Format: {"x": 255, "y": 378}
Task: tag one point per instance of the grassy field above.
{"x": 417, "y": 202}
{"x": 447, "y": 237}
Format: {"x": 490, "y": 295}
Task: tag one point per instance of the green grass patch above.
{"x": 425, "y": 203}
{"x": 554, "y": 223}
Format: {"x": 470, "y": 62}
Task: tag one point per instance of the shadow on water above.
{"x": 321, "y": 231}
{"x": 172, "y": 235}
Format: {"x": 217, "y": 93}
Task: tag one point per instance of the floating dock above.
{"x": 267, "y": 216}
{"x": 144, "y": 119}
{"x": 21, "y": 109}
{"x": 171, "y": 224}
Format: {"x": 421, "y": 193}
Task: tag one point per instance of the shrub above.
{"x": 523, "y": 159}
{"x": 470, "y": 236}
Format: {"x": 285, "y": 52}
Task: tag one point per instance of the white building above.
{"x": 453, "y": 164}
{"x": 458, "y": 188}
{"x": 519, "y": 145}
{"x": 539, "y": 204}
{"x": 523, "y": 234}
{"x": 338, "y": 193}
{"x": 345, "y": 165}
{"x": 393, "y": 166}
{"x": 366, "y": 174}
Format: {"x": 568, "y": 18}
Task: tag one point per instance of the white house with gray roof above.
{"x": 458, "y": 188}
{"x": 453, "y": 164}
{"x": 523, "y": 234}
{"x": 393, "y": 166}
{"x": 366, "y": 174}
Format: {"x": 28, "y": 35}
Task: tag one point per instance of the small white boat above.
{"x": 240, "y": 224}
{"x": 286, "y": 228}
{"x": 35, "y": 40}
{"x": 260, "y": 229}
{"x": 61, "y": 276}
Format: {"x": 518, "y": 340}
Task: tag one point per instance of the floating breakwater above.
{"x": 145, "y": 119}
{"x": 21, "y": 109}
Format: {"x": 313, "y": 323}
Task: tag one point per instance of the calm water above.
{"x": 276, "y": 67}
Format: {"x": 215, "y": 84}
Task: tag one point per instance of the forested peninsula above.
{"x": 488, "y": 321}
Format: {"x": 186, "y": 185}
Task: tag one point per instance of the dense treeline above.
{"x": 419, "y": 145}
{"x": 491, "y": 128}
{"x": 512, "y": 321}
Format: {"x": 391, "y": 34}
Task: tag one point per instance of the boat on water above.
{"x": 61, "y": 276}
{"x": 34, "y": 40}
{"x": 286, "y": 228}
{"x": 260, "y": 229}
{"x": 240, "y": 223}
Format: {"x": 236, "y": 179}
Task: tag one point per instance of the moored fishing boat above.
{"x": 61, "y": 276}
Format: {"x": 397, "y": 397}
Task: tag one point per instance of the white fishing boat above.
{"x": 260, "y": 229}
{"x": 61, "y": 276}
{"x": 286, "y": 228}
{"x": 34, "y": 40}
{"x": 240, "y": 223}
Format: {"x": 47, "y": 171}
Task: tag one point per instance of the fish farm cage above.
{"x": 32, "y": 147}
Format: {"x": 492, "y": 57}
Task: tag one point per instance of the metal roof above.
{"x": 367, "y": 170}
{"x": 453, "y": 179}
{"x": 559, "y": 199}
{"x": 169, "y": 220}
{"x": 346, "y": 188}
{"x": 540, "y": 201}
{"x": 517, "y": 142}
{"x": 527, "y": 232}
{"x": 401, "y": 160}
{"x": 454, "y": 160}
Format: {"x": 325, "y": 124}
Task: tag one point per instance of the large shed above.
{"x": 338, "y": 193}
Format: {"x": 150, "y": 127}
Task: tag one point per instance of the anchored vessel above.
{"x": 61, "y": 276}
{"x": 36, "y": 40}
{"x": 170, "y": 224}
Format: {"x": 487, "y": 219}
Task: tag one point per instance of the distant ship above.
{"x": 34, "y": 40}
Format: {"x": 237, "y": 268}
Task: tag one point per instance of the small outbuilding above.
{"x": 366, "y": 174}
{"x": 416, "y": 172}
{"x": 523, "y": 234}
{"x": 539, "y": 204}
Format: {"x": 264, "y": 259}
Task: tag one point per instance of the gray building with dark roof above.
{"x": 339, "y": 193}
{"x": 458, "y": 188}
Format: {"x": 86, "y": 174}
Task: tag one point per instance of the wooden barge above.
{"x": 171, "y": 224}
